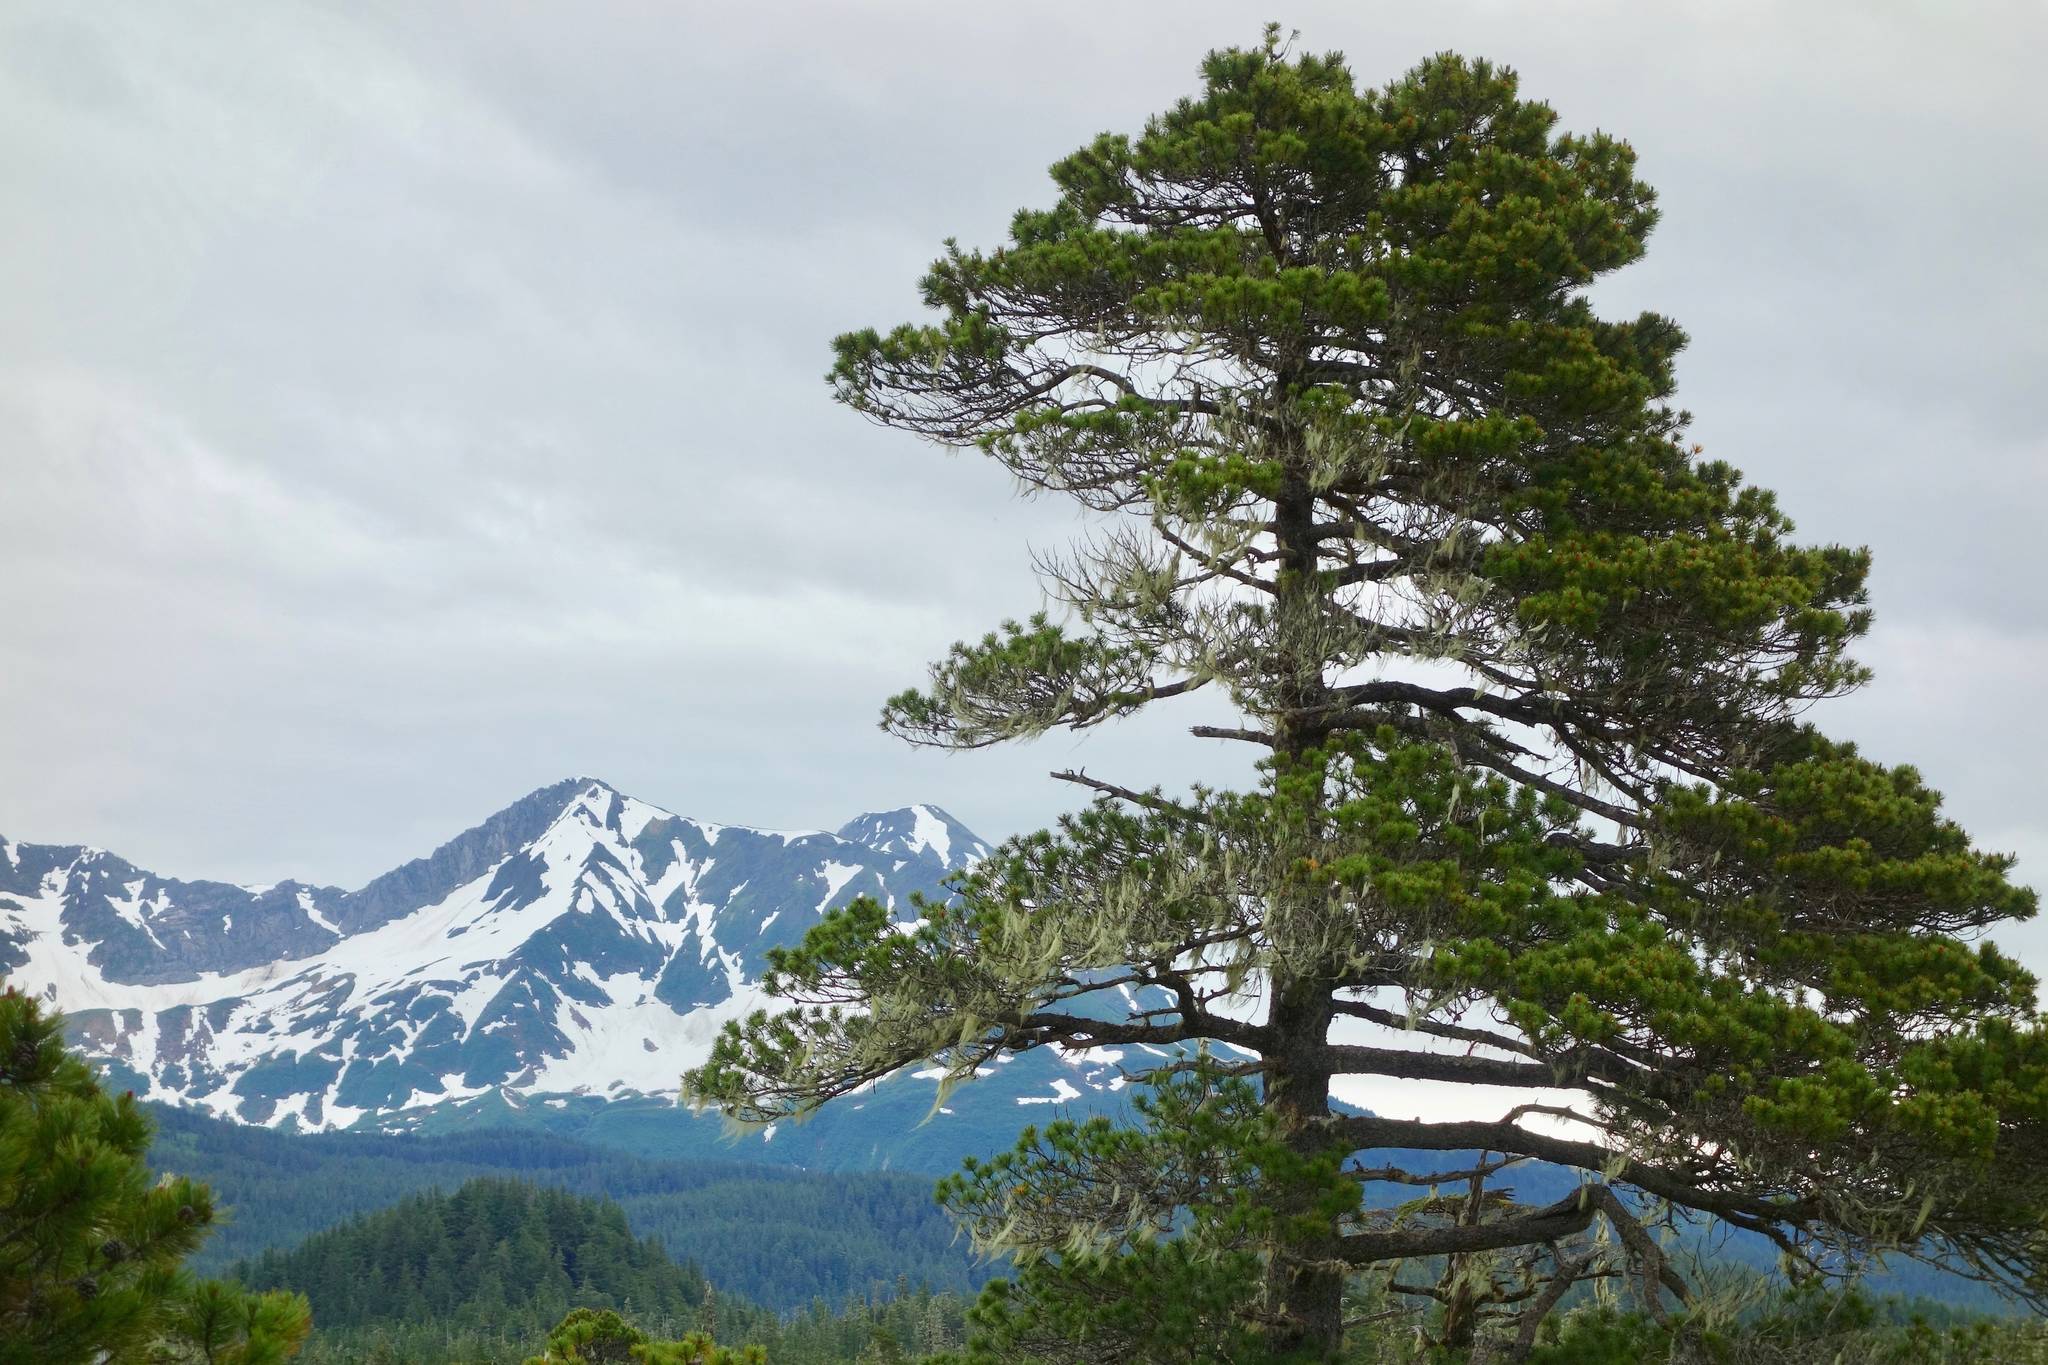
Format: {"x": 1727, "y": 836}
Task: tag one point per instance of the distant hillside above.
{"x": 479, "y": 1275}
{"x": 495, "y": 1253}
{"x": 777, "y": 1237}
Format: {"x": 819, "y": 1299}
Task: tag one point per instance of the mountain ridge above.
{"x": 577, "y": 942}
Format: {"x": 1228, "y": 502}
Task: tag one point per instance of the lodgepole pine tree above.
{"x": 593, "y": 1336}
{"x": 91, "y": 1242}
{"x": 1527, "y": 678}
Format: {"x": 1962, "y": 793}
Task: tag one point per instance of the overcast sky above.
{"x": 405, "y": 406}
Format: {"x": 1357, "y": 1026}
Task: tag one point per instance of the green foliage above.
{"x": 780, "y": 1238}
{"x": 593, "y": 1337}
{"x": 907, "y": 1325}
{"x": 1141, "y": 1243}
{"x": 589, "y": 1336}
{"x": 1800, "y": 1326}
{"x": 586, "y": 1337}
{"x": 91, "y": 1247}
{"x": 496, "y": 1253}
{"x": 212, "y": 1323}
{"x": 483, "y": 1274}
{"x": 1527, "y": 675}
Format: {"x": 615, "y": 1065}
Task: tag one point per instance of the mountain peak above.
{"x": 561, "y": 794}
{"x": 468, "y": 855}
{"x": 576, "y": 941}
{"x": 920, "y": 832}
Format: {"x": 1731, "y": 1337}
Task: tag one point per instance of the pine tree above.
{"x": 1178, "y": 1283}
{"x": 90, "y": 1242}
{"x": 590, "y": 1336}
{"x": 218, "y": 1324}
{"x": 1527, "y": 678}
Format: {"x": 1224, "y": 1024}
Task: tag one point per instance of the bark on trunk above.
{"x": 1307, "y": 1272}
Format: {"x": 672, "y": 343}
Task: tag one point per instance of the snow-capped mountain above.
{"x": 578, "y": 945}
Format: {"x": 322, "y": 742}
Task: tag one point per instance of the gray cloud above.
{"x": 404, "y": 406}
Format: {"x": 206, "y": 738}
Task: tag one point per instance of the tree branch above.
{"x": 1569, "y": 1215}
{"x": 1221, "y": 732}
{"x": 1367, "y": 1131}
{"x": 1149, "y": 800}
{"x": 1410, "y": 1065}
{"x": 1048, "y": 1027}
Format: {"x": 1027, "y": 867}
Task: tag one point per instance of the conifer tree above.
{"x": 90, "y": 1242}
{"x": 590, "y": 1336}
{"x": 214, "y": 1323}
{"x": 1539, "y": 802}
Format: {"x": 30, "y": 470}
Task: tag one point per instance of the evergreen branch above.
{"x": 1370, "y": 1131}
{"x": 1409, "y": 1065}
{"x": 1149, "y": 800}
{"x": 1551, "y": 1223}
{"x": 1046, "y": 1027}
{"x": 1395, "y": 1175}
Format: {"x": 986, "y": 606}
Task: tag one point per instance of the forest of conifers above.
{"x": 483, "y": 1273}
{"x": 783, "y": 1238}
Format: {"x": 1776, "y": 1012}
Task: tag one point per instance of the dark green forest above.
{"x": 495, "y": 1253}
{"x": 782, "y": 1237}
{"x": 463, "y": 1248}
{"x": 481, "y": 1274}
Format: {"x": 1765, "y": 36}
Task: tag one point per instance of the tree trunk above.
{"x": 1307, "y": 1275}
{"x": 1307, "y": 1272}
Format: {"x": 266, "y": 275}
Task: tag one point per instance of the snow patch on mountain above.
{"x": 579, "y": 942}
